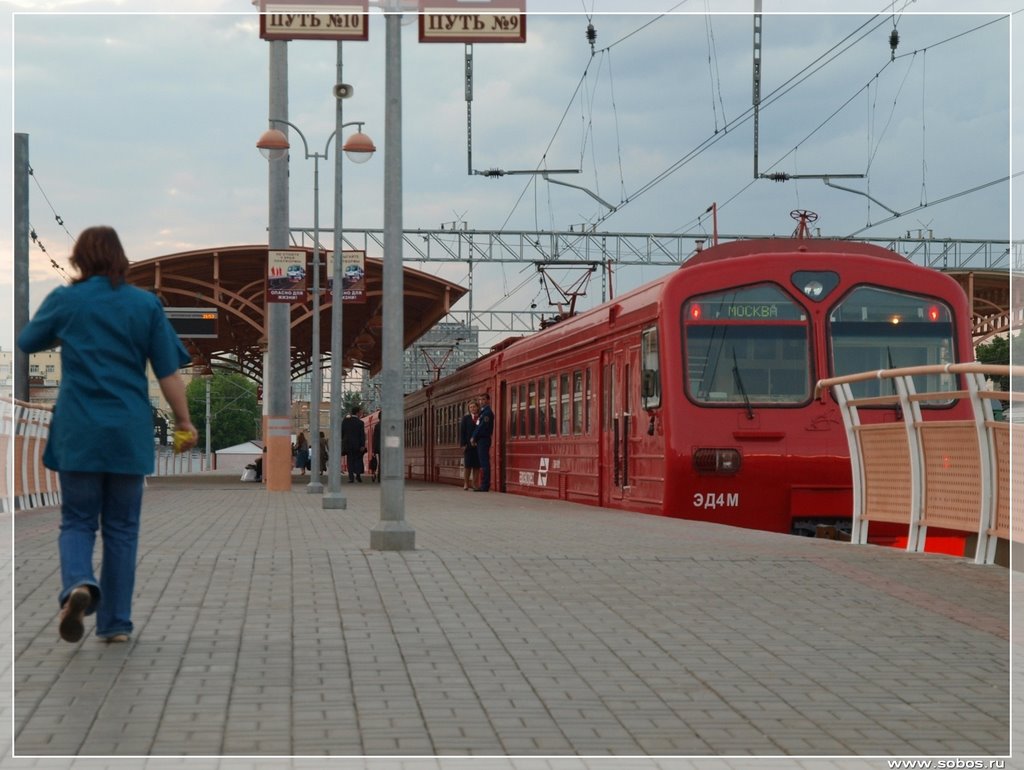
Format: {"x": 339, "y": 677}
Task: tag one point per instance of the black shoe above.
{"x": 351, "y": 480}
{"x": 359, "y": 479}
{"x": 71, "y": 627}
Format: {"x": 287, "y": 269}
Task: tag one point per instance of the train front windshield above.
{"x": 747, "y": 346}
{"x": 873, "y": 328}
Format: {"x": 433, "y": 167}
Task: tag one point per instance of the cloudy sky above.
{"x": 148, "y": 122}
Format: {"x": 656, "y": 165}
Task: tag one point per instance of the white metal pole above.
{"x": 315, "y": 487}
{"x": 334, "y": 498}
{"x": 392, "y": 533}
{"x": 208, "y": 465}
{"x": 277, "y": 368}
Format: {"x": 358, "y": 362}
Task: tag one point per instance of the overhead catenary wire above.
{"x": 859, "y": 34}
{"x": 775, "y": 94}
{"x": 795, "y": 80}
{"x": 782, "y": 90}
{"x": 58, "y": 219}
{"x": 946, "y": 199}
{"x": 713, "y": 73}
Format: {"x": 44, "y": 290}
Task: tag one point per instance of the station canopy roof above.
{"x": 988, "y": 292}
{"x": 233, "y": 279}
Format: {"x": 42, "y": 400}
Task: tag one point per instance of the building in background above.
{"x": 436, "y": 354}
{"x": 44, "y": 374}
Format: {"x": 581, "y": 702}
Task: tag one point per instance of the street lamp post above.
{"x": 359, "y": 147}
{"x": 208, "y": 377}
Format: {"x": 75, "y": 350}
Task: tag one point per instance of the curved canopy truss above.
{"x": 232, "y": 279}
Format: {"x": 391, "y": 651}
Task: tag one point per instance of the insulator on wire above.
{"x": 894, "y": 41}
{"x": 591, "y": 36}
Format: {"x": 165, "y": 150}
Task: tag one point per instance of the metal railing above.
{"x": 27, "y": 427}
{"x": 949, "y": 474}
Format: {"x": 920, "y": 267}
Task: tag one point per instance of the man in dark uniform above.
{"x": 353, "y": 443}
{"x": 482, "y": 441}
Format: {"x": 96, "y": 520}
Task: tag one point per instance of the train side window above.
{"x": 513, "y": 411}
{"x": 542, "y": 409}
{"x": 650, "y": 377}
{"x": 564, "y": 430}
{"x": 586, "y": 404}
{"x": 531, "y": 414}
{"x": 577, "y": 402}
{"x": 522, "y": 410}
{"x": 553, "y": 406}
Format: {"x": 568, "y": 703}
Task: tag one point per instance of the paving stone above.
{"x": 265, "y": 626}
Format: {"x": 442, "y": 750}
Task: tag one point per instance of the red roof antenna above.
{"x": 803, "y": 218}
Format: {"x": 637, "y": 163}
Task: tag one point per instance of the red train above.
{"x": 693, "y": 395}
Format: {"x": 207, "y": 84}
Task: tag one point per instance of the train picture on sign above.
{"x": 693, "y": 396}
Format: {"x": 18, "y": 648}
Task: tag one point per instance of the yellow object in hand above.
{"x": 181, "y": 439}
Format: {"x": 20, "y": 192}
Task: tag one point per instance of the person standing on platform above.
{"x": 482, "y": 441}
{"x": 375, "y": 458}
{"x": 353, "y": 443}
{"x": 301, "y": 453}
{"x": 101, "y": 435}
{"x": 323, "y": 453}
{"x": 470, "y": 456}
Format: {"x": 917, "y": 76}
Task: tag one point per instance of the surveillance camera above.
{"x": 342, "y": 91}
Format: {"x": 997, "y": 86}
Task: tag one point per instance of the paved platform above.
{"x": 265, "y": 626}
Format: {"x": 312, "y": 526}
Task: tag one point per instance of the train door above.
{"x": 614, "y": 421}
{"x": 501, "y": 417}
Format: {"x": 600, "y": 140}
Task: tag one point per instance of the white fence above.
{"x": 24, "y": 429}
{"x": 950, "y": 474}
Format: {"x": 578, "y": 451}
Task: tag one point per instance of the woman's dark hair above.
{"x": 98, "y": 251}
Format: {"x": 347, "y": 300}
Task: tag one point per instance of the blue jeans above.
{"x": 113, "y": 503}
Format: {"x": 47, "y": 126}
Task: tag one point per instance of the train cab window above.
{"x": 874, "y": 328}
{"x": 650, "y": 375}
{"x": 747, "y": 346}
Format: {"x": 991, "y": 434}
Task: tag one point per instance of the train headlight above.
{"x": 813, "y": 289}
{"x": 815, "y": 284}
{"x": 724, "y": 461}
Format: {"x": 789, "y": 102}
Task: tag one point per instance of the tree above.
{"x": 349, "y": 399}
{"x": 996, "y": 351}
{"x": 235, "y": 415}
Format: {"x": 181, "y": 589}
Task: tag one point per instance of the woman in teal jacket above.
{"x": 101, "y": 435}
